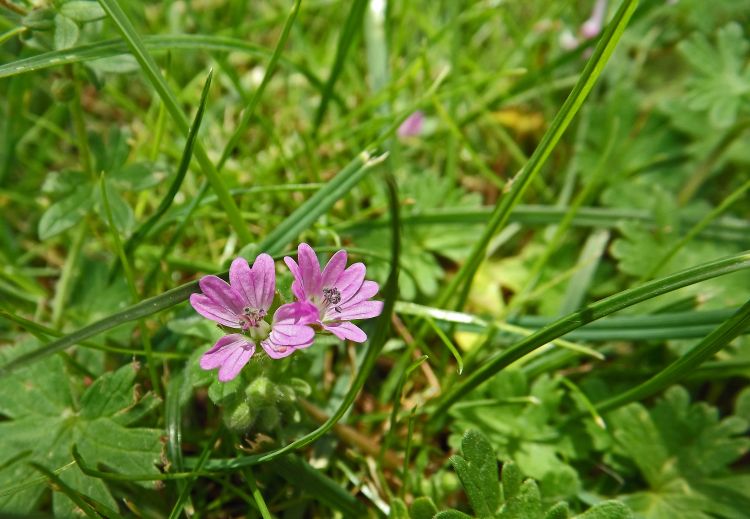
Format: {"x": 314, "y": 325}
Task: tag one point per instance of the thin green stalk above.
{"x": 154, "y": 76}
{"x": 79, "y": 123}
{"x": 349, "y": 31}
{"x": 257, "y": 496}
{"x": 685, "y": 365}
{"x": 42, "y": 332}
{"x": 706, "y": 167}
{"x": 187, "y": 154}
{"x": 396, "y": 406}
{"x": 697, "y": 229}
{"x": 186, "y": 486}
{"x": 589, "y": 313}
{"x": 145, "y": 337}
{"x": 13, "y": 32}
{"x": 65, "y": 283}
{"x": 561, "y": 230}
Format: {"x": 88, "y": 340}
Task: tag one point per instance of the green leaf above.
{"x": 477, "y": 471}
{"x": 47, "y": 417}
{"x": 452, "y": 514}
{"x": 721, "y": 83}
{"x": 607, "y": 510}
{"x": 398, "y": 510}
{"x": 559, "y": 511}
{"x": 82, "y": 11}
{"x": 512, "y": 479}
{"x": 65, "y": 213}
{"x": 423, "y": 508}
{"x": 527, "y": 504}
{"x": 66, "y": 32}
{"x": 683, "y": 451}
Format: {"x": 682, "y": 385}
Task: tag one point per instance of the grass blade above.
{"x": 686, "y": 364}
{"x": 349, "y": 31}
{"x": 588, "y": 314}
{"x": 150, "y": 69}
{"x": 502, "y": 210}
{"x": 187, "y": 155}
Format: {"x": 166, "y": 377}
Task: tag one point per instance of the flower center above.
{"x": 332, "y": 297}
{"x": 251, "y": 318}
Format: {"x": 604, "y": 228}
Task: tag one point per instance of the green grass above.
{"x": 562, "y": 252}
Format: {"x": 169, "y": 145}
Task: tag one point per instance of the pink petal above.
{"x": 291, "y": 335}
{"x": 309, "y": 269}
{"x": 350, "y": 281}
{"x": 297, "y": 288}
{"x": 241, "y": 280}
{"x": 301, "y": 312}
{"x": 230, "y": 354}
{"x": 220, "y": 293}
{"x": 234, "y": 363}
{"x": 210, "y": 310}
{"x": 277, "y": 351}
{"x": 264, "y": 274}
{"x": 346, "y": 331}
{"x": 256, "y": 285}
{"x": 333, "y": 269}
{"x": 362, "y": 310}
{"x": 365, "y": 292}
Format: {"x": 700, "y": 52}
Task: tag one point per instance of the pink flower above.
{"x": 338, "y": 294}
{"x": 412, "y": 125}
{"x": 242, "y": 305}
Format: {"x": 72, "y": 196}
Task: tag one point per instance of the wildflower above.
{"x": 412, "y": 125}
{"x": 241, "y": 305}
{"x": 338, "y": 294}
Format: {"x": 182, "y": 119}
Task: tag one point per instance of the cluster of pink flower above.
{"x": 326, "y": 300}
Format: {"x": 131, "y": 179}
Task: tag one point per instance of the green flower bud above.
{"x": 239, "y": 418}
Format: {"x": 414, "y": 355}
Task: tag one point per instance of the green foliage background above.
{"x": 562, "y": 248}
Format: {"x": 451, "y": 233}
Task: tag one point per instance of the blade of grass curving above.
{"x": 303, "y": 476}
{"x": 145, "y": 337}
{"x": 448, "y": 344}
{"x": 730, "y": 229}
{"x": 185, "y": 486}
{"x": 187, "y": 155}
{"x": 350, "y": 30}
{"x": 173, "y": 424}
{"x": 152, "y": 73}
{"x": 685, "y": 365}
{"x": 396, "y": 406}
{"x": 518, "y": 185}
{"x": 377, "y": 341}
{"x": 256, "y": 493}
{"x": 589, "y": 313}
{"x": 42, "y": 332}
{"x": 586, "y": 266}
{"x": 249, "y": 111}
{"x": 307, "y": 213}
{"x": 109, "y": 48}
{"x": 72, "y": 494}
{"x": 275, "y": 242}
